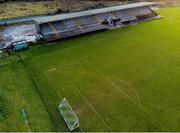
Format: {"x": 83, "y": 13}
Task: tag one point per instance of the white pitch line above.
{"x": 110, "y": 81}
{"x": 51, "y": 70}
{"x": 90, "y": 105}
{"x": 63, "y": 66}
{"x": 132, "y": 88}
{"x": 123, "y": 92}
{"x": 81, "y": 129}
{"x": 161, "y": 59}
{"x": 138, "y": 105}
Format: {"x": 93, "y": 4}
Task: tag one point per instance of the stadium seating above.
{"x": 45, "y": 29}
{"x": 65, "y": 26}
{"x": 143, "y": 11}
{"x": 70, "y": 24}
{"x": 83, "y": 21}
{"x": 72, "y": 27}
{"x": 103, "y": 16}
{"x": 128, "y": 18}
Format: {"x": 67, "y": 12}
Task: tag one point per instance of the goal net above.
{"x": 68, "y": 115}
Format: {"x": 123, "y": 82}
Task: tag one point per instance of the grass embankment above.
{"x": 17, "y": 92}
{"x": 24, "y": 9}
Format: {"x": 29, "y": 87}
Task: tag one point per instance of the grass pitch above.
{"x": 119, "y": 80}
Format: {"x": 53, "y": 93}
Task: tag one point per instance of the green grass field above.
{"x": 121, "y": 80}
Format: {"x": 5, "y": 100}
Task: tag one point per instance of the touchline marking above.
{"x": 90, "y": 105}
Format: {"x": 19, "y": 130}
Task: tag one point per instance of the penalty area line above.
{"x": 110, "y": 81}
{"x": 41, "y": 68}
{"x": 116, "y": 86}
{"x": 62, "y": 66}
{"x": 90, "y": 105}
{"x": 129, "y": 86}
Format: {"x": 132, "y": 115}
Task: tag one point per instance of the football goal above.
{"x": 68, "y": 115}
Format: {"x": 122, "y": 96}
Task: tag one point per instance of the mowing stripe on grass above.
{"x": 36, "y": 88}
{"x": 18, "y": 99}
{"x": 37, "y": 62}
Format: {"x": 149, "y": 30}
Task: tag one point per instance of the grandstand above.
{"x": 72, "y": 24}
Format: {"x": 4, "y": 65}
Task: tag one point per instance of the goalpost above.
{"x": 68, "y": 115}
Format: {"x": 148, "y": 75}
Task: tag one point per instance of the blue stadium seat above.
{"x": 45, "y": 28}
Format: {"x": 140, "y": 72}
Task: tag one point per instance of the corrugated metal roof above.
{"x": 91, "y": 12}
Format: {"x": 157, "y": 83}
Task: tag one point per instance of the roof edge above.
{"x": 64, "y": 16}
